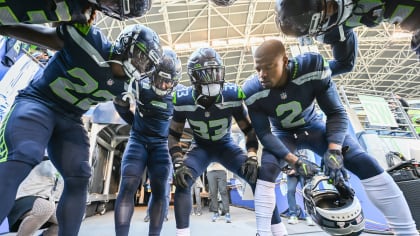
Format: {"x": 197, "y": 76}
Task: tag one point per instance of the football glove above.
{"x": 181, "y": 172}
{"x": 250, "y": 168}
{"x": 345, "y": 191}
{"x": 334, "y": 166}
{"x": 305, "y": 168}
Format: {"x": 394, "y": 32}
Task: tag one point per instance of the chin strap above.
{"x": 341, "y": 30}
{"x": 159, "y": 91}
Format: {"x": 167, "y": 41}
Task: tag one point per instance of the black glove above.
{"x": 180, "y": 172}
{"x": 334, "y": 167}
{"x": 306, "y": 168}
{"x": 250, "y": 168}
{"x": 345, "y": 191}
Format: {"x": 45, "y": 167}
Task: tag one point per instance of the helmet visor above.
{"x": 162, "y": 78}
{"x": 209, "y": 74}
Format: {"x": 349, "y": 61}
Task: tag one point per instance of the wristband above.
{"x": 174, "y": 150}
{"x": 252, "y": 154}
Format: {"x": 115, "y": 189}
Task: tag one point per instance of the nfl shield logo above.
{"x": 110, "y": 82}
{"x": 283, "y": 95}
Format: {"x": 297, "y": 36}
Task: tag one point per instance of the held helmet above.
{"x": 140, "y": 49}
{"x": 223, "y": 3}
{"x": 123, "y": 9}
{"x": 167, "y": 74}
{"x": 334, "y": 208}
{"x": 299, "y": 18}
{"x": 206, "y": 71}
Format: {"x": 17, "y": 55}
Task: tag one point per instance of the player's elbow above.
{"x": 341, "y": 67}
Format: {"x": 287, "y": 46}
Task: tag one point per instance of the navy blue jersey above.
{"x": 210, "y": 125}
{"x": 292, "y": 107}
{"x": 79, "y": 75}
{"x": 41, "y": 11}
{"x": 153, "y": 113}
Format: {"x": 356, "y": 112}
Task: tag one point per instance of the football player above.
{"x": 85, "y": 70}
{"x": 148, "y": 143}
{"x": 209, "y": 106}
{"x": 281, "y": 103}
{"x": 45, "y": 11}
{"x": 332, "y": 21}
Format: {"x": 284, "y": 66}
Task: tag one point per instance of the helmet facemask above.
{"x": 207, "y": 75}
{"x": 342, "y": 10}
{"x": 168, "y": 74}
{"x": 311, "y": 17}
{"x": 139, "y": 65}
{"x": 160, "y": 79}
{"x": 139, "y": 58}
{"x": 208, "y": 80}
{"x": 123, "y": 9}
{"x": 139, "y": 49}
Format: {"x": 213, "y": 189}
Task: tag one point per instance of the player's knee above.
{"x": 80, "y": 172}
{"x": 130, "y": 170}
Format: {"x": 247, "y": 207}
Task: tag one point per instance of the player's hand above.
{"x": 181, "y": 172}
{"x": 345, "y": 191}
{"x": 305, "y": 168}
{"x": 250, "y": 168}
{"x": 334, "y": 166}
{"x": 120, "y": 102}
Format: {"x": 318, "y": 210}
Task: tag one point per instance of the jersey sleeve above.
{"x": 259, "y": 120}
{"x": 329, "y": 102}
{"x": 234, "y": 97}
{"x": 344, "y": 50}
{"x": 178, "y": 96}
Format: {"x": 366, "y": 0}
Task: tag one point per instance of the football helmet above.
{"x": 123, "y": 9}
{"x": 299, "y": 18}
{"x": 223, "y": 3}
{"x": 167, "y": 74}
{"x": 140, "y": 49}
{"x": 206, "y": 71}
{"x": 334, "y": 208}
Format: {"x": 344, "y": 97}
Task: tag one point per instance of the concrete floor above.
{"x": 243, "y": 224}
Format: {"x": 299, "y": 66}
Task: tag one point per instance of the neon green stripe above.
{"x": 3, "y": 147}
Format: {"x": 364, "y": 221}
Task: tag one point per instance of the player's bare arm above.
{"x": 34, "y": 34}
